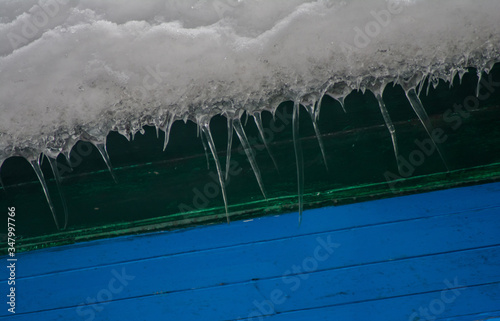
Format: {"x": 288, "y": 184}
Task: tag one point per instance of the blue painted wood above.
{"x": 489, "y": 316}
{"x": 332, "y": 287}
{"x": 379, "y": 243}
{"x": 477, "y": 298}
{"x": 387, "y": 259}
{"x": 397, "y": 209}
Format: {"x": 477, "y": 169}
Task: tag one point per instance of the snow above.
{"x": 73, "y": 70}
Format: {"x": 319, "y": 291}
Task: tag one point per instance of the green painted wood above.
{"x": 341, "y": 218}
{"x": 159, "y": 190}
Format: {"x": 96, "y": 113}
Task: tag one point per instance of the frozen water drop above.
{"x": 205, "y": 148}
{"x": 320, "y": 101}
{"x": 229, "y": 144}
{"x": 390, "y": 126}
{"x": 428, "y": 87}
{"x": 206, "y": 130}
{"x": 36, "y": 164}
{"x": 452, "y": 77}
{"x": 104, "y": 154}
{"x": 238, "y": 127}
{"x": 258, "y": 121}
{"x": 299, "y": 161}
{"x": 57, "y": 177}
{"x": 461, "y": 74}
{"x": 479, "y": 79}
{"x": 167, "y": 128}
{"x": 1, "y": 181}
{"x": 419, "y": 109}
{"x": 421, "y": 84}
{"x": 67, "y": 158}
{"x": 341, "y": 101}
{"x": 312, "y": 112}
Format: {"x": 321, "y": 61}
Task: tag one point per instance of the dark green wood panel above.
{"x": 159, "y": 190}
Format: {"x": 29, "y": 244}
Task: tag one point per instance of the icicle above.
{"x": 452, "y": 77}
{"x": 322, "y": 95}
{"x": 1, "y": 182}
{"x": 479, "y": 79}
{"x": 210, "y": 141}
{"x": 205, "y": 149}
{"x": 124, "y": 133}
{"x": 36, "y": 164}
{"x": 258, "y": 121}
{"x": 320, "y": 141}
{"x": 311, "y": 111}
{"x": 341, "y": 101}
{"x": 157, "y": 131}
{"x": 298, "y": 156}
{"x": 67, "y": 158}
{"x": 419, "y": 109}
{"x": 428, "y": 87}
{"x": 229, "y": 144}
{"x": 57, "y": 177}
{"x": 249, "y": 152}
{"x": 421, "y": 85}
{"x": 102, "y": 150}
{"x": 168, "y": 127}
{"x": 246, "y": 118}
{"x": 320, "y": 101}
{"x": 461, "y": 74}
{"x": 435, "y": 82}
{"x": 390, "y": 127}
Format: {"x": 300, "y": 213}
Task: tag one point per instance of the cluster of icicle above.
{"x": 91, "y": 68}
{"x": 311, "y": 102}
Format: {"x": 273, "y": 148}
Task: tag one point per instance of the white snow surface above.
{"x": 73, "y": 70}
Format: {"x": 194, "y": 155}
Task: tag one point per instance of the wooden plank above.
{"x": 364, "y": 283}
{"x": 233, "y": 265}
{"x": 95, "y": 253}
{"x": 476, "y": 298}
{"x": 480, "y": 298}
{"x": 488, "y": 316}
{"x": 386, "y": 279}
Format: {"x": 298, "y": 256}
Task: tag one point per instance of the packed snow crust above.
{"x": 73, "y": 70}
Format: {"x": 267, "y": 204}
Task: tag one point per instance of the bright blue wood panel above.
{"x": 489, "y": 316}
{"x": 379, "y": 243}
{"x": 159, "y": 307}
{"x": 386, "y": 260}
{"x": 327, "y": 219}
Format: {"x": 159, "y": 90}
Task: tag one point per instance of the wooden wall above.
{"x": 433, "y": 256}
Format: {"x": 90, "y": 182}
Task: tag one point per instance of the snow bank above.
{"x": 74, "y": 70}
